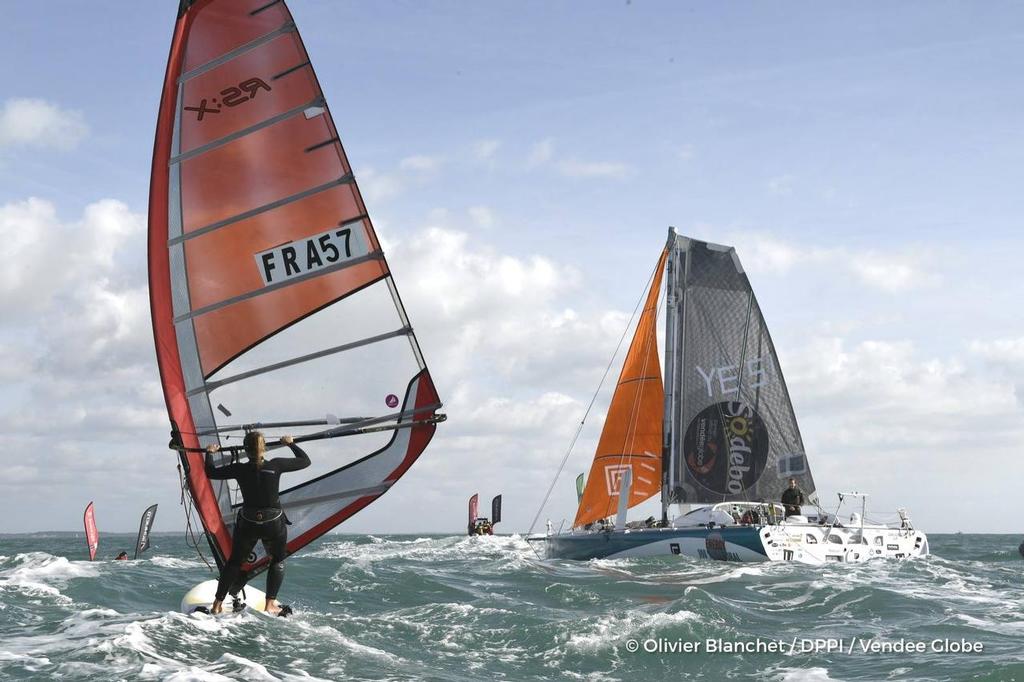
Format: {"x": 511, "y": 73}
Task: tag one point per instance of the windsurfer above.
{"x": 792, "y": 498}
{"x": 261, "y": 516}
{"x": 123, "y": 556}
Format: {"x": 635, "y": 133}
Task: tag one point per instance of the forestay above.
{"x": 273, "y": 304}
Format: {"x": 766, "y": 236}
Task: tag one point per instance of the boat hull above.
{"x": 800, "y": 543}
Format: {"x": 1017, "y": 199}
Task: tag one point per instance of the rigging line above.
{"x": 742, "y": 366}
{"x": 186, "y": 502}
{"x": 631, "y": 426}
{"x": 593, "y": 399}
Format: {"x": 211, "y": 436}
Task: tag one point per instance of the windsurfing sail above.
{"x": 92, "y": 535}
{"x": 272, "y": 303}
{"x": 473, "y": 503}
{"x": 145, "y": 526}
{"x": 496, "y": 510}
{"x": 579, "y": 488}
{"x": 632, "y": 437}
{"x": 734, "y": 434}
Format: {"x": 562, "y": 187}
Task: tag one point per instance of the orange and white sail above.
{"x": 273, "y": 305}
{"x": 632, "y": 435}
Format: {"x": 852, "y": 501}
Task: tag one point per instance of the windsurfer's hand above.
{"x": 287, "y": 440}
{"x": 212, "y": 448}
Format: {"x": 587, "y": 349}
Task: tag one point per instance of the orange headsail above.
{"x": 631, "y": 438}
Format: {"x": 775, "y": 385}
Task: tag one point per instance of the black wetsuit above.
{"x": 792, "y": 498}
{"x": 260, "y": 518}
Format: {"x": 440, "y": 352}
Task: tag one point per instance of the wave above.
{"x": 509, "y": 548}
{"x": 461, "y": 608}
{"x": 41, "y": 573}
{"x": 605, "y": 631}
{"x": 174, "y": 562}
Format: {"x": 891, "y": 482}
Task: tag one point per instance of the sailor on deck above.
{"x": 261, "y": 516}
{"x": 792, "y": 499}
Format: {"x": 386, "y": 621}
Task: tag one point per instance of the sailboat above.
{"x": 714, "y": 435}
{"x": 481, "y": 525}
{"x": 273, "y": 306}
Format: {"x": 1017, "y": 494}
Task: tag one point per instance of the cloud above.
{"x": 541, "y": 152}
{"x": 762, "y": 251}
{"x": 514, "y": 343}
{"x": 80, "y": 389}
{"x": 912, "y": 429}
{"x": 573, "y": 168}
{"x": 781, "y": 185}
{"x": 377, "y": 187}
{"x": 420, "y": 164}
{"x": 892, "y": 272}
{"x": 47, "y": 257}
{"x": 484, "y": 150}
{"x": 38, "y": 123}
{"x": 481, "y": 216}
{"x": 1000, "y": 351}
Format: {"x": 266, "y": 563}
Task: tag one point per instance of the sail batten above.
{"x": 346, "y": 179}
{"x": 213, "y": 144}
{"x": 223, "y": 59}
{"x": 270, "y": 288}
{"x": 211, "y": 385}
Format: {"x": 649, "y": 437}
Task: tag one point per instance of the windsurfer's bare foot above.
{"x": 217, "y": 607}
{"x": 273, "y": 608}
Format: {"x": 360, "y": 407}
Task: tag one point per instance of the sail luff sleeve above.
{"x": 161, "y": 301}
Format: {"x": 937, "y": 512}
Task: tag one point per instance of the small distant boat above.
{"x": 481, "y": 525}
{"x": 716, "y": 437}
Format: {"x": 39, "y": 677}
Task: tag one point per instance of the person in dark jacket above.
{"x": 261, "y": 516}
{"x": 792, "y": 499}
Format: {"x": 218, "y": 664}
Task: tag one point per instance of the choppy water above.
{"x": 455, "y": 608}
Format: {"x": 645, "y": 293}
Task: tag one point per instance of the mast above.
{"x": 670, "y": 387}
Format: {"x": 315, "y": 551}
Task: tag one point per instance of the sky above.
{"x": 522, "y": 162}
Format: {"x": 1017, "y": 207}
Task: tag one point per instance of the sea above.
{"x": 435, "y": 607}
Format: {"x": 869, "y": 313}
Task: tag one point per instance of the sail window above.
{"x": 792, "y": 465}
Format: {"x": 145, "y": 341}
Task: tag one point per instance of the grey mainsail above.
{"x": 732, "y": 432}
